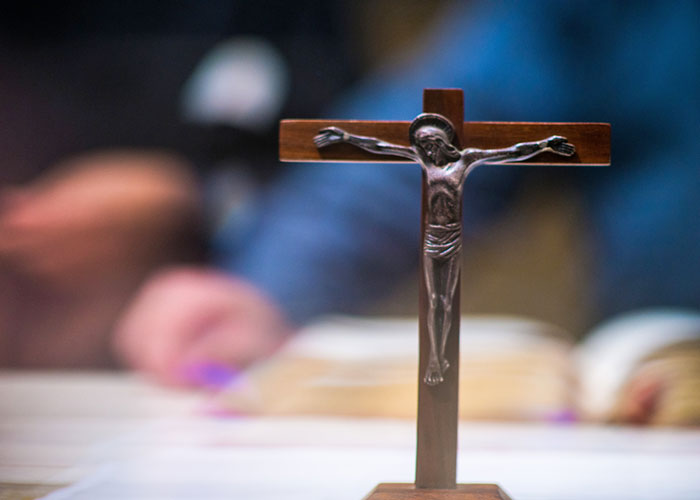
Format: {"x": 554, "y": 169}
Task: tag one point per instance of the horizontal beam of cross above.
{"x": 592, "y": 140}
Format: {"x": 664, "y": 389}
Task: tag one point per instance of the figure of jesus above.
{"x": 445, "y": 169}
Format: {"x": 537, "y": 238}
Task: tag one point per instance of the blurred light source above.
{"x": 241, "y": 82}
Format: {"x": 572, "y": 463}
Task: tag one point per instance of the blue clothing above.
{"x": 335, "y": 236}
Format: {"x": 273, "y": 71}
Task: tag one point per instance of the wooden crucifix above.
{"x": 435, "y": 140}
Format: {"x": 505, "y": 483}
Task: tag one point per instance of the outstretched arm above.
{"x": 523, "y": 151}
{"x": 333, "y": 135}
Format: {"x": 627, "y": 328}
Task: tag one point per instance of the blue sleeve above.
{"x": 333, "y": 237}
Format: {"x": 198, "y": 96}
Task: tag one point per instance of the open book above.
{"x": 510, "y": 369}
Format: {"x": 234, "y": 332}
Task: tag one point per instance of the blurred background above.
{"x": 139, "y": 166}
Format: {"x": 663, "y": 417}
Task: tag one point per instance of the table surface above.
{"x": 112, "y": 435}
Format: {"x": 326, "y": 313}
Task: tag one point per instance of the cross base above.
{"x": 406, "y": 491}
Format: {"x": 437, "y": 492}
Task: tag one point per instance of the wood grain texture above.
{"x": 402, "y": 491}
{"x": 438, "y": 406}
{"x": 450, "y": 104}
{"x": 592, "y": 140}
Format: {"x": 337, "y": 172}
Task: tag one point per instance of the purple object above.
{"x": 210, "y": 375}
{"x": 566, "y": 416}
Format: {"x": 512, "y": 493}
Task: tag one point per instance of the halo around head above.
{"x": 431, "y": 120}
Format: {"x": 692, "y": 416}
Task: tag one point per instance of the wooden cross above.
{"x": 436, "y": 459}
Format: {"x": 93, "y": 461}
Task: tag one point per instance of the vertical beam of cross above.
{"x": 436, "y": 461}
{"x": 436, "y": 455}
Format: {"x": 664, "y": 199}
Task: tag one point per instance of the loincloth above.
{"x": 443, "y": 241}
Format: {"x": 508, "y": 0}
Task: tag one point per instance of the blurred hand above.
{"x": 664, "y": 389}
{"x": 95, "y": 217}
{"x": 77, "y": 241}
{"x": 188, "y": 317}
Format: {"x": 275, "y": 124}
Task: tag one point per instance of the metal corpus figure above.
{"x": 445, "y": 169}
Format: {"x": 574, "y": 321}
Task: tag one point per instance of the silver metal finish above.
{"x": 445, "y": 169}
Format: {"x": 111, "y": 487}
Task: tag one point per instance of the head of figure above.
{"x": 432, "y": 136}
